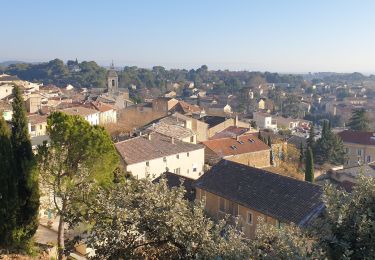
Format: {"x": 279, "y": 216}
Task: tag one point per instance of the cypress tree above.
{"x": 25, "y": 173}
{"x": 309, "y": 168}
{"x": 269, "y": 141}
{"x": 311, "y": 139}
{"x": 8, "y": 188}
{"x": 301, "y": 153}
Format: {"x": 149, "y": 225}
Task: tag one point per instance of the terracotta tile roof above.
{"x": 37, "y": 119}
{"x": 140, "y": 149}
{"x": 102, "y": 107}
{"x": 281, "y": 197}
{"x": 80, "y": 111}
{"x": 230, "y": 146}
{"x": 358, "y": 137}
{"x": 231, "y": 131}
{"x": 185, "y": 107}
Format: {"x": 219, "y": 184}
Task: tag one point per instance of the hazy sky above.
{"x": 278, "y": 35}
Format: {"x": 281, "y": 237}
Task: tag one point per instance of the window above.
{"x": 347, "y": 162}
{"x": 33, "y": 128}
{"x": 194, "y": 167}
{"x": 368, "y": 159}
{"x": 147, "y": 163}
{"x": 187, "y": 154}
{"x": 178, "y": 156}
{"x": 187, "y": 171}
{"x": 347, "y": 150}
{"x": 359, "y": 152}
{"x": 191, "y": 139}
{"x": 40, "y": 127}
{"x": 164, "y": 159}
{"x": 221, "y": 204}
{"x": 113, "y": 82}
{"x": 249, "y": 218}
{"x": 177, "y": 170}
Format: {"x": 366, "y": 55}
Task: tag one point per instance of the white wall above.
{"x": 93, "y": 119}
{"x": 109, "y": 116}
{"x": 158, "y": 166}
{"x": 5, "y": 90}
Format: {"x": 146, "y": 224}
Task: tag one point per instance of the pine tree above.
{"x": 359, "y": 120}
{"x": 8, "y": 188}
{"x": 25, "y": 173}
{"x": 311, "y": 139}
{"x": 309, "y": 168}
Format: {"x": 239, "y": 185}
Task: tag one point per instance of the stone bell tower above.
{"x": 112, "y": 80}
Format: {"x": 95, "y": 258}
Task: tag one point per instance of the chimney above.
{"x": 237, "y": 138}
{"x": 149, "y": 136}
{"x": 236, "y": 121}
{"x": 172, "y": 140}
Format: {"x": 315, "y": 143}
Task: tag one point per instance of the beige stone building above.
{"x": 253, "y": 194}
{"x": 37, "y": 125}
{"x": 359, "y": 147}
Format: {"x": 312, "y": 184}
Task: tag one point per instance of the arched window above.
{"x": 113, "y": 82}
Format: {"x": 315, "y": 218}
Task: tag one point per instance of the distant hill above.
{"x": 10, "y": 62}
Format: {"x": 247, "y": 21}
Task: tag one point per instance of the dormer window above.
{"x": 233, "y": 147}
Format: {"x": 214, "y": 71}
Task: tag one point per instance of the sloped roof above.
{"x": 171, "y": 130}
{"x": 213, "y": 120}
{"x": 79, "y": 110}
{"x": 231, "y": 131}
{"x": 231, "y": 146}
{"x": 281, "y": 197}
{"x": 357, "y": 137}
{"x": 140, "y": 149}
{"x": 175, "y": 181}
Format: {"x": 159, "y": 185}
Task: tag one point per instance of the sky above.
{"x": 266, "y": 35}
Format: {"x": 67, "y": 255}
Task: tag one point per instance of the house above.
{"x": 6, "y": 110}
{"x": 264, "y": 121}
{"x": 34, "y": 102}
{"x": 246, "y": 149}
{"x": 230, "y": 131}
{"x": 163, "y": 104}
{"x": 172, "y": 127}
{"x": 359, "y": 147}
{"x": 155, "y": 154}
{"x": 348, "y": 177}
{"x": 37, "y": 125}
{"x": 216, "y": 124}
{"x": 6, "y": 89}
{"x": 286, "y": 122}
{"x": 170, "y": 94}
{"x": 108, "y": 114}
{"x": 250, "y": 194}
{"x": 187, "y": 108}
{"x": 91, "y": 115}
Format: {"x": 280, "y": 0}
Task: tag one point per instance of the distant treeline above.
{"x": 90, "y": 74}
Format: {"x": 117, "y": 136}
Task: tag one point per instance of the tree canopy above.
{"x": 359, "y": 120}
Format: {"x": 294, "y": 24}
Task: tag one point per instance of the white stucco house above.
{"x": 154, "y": 154}
{"x": 91, "y": 115}
{"x": 264, "y": 121}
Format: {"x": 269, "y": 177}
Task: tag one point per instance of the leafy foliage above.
{"x": 89, "y": 74}
{"x": 359, "y": 120}
{"x": 138, "y": 219}
{"x": 78, "y": 153}
{"x": 347, "y": 229}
